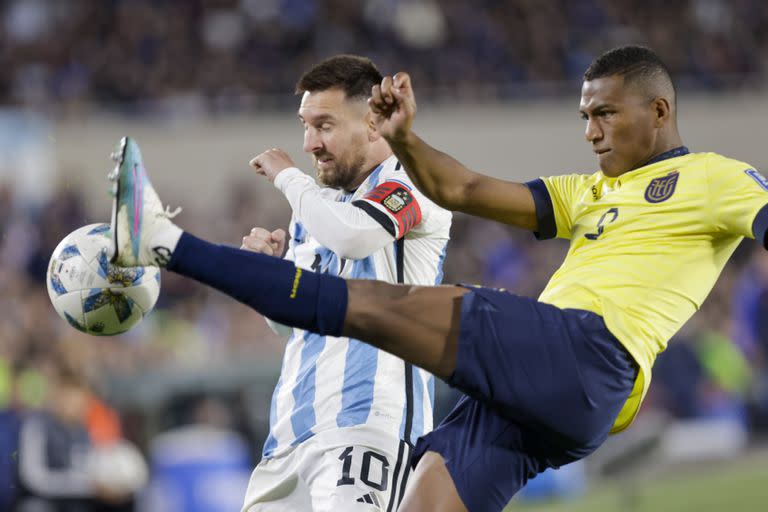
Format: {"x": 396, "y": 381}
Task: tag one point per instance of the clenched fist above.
{"x": 271, "y": 243}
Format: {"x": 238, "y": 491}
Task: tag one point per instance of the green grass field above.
{"x": 733, "y": 486}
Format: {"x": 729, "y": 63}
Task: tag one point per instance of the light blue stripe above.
{"x": 298, "y": 232}
{"x": 303, "y": 415}
{"x": 359, "y": 368}
{"x": 363, "y": 269}
{"x": 440, "y": 262}
{"x": 271, "y": 443}
{"x": 357, "y": 391}
{"x": 418, "y": 406}
{"x": 329, "y": 262}
{"x": 297, "y": 238}
{"x": 374, "y": 179}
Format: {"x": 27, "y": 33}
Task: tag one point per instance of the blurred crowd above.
{"x": 236, "y": 55}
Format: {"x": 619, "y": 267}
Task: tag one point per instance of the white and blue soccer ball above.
{"x": 93, "y": 295}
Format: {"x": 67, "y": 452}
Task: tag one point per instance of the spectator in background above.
{"x": 202, "y": 465}
{"x": 54, "y": 447}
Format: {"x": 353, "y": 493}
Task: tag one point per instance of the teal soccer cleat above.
{"x": 138, "y": 217}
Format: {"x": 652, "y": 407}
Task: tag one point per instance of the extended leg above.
{"x": 416, "y": 323}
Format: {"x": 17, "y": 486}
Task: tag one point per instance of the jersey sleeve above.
{"x": 395, "y": 204}
{"x": 555, "y": 198}
{"x": 337, "y": 225}
{"x": 739, "y": 198}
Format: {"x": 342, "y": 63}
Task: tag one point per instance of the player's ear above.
{"x": 371, "y": 127}
{"x": 662, "y": 111}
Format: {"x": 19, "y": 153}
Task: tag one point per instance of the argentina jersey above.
{"x": 340, "y": 384}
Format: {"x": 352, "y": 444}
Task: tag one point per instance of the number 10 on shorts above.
{"x": 372, "y": 463}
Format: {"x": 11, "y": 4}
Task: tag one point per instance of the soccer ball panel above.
{"x": 71, "y": 272}
{"x": 70, "y": 308}
{"x": 109, "y": 311}
{"x": 146, "y": 290}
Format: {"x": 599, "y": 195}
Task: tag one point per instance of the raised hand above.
{"x": 271, "y": 162}
{"x": 393, "y": 106}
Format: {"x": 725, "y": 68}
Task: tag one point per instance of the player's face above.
{"x": 621, "y": 124}
{"x": 336, "y": 135}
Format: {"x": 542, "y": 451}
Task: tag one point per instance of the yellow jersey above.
{"x": 647, "y": 247}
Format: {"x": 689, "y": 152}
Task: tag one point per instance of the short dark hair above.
{"x": 353, "y": 74}
{"x": 638, "y": 65}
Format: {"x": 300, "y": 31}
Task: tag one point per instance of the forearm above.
{"x": 440, "y": 177}
{"x": 454, "y": 187}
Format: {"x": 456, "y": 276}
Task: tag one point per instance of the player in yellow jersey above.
{"x": 546, "y": 380}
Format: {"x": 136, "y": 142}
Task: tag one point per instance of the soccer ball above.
{"x": 93, "y": 295}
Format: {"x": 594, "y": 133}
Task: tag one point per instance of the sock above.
{"x": 274, "y": 287}
{"x": 164, "y": 242}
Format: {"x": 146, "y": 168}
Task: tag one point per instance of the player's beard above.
{"x": 342, "y": 173}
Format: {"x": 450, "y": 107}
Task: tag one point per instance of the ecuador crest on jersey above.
{"x": 661, "y": 189}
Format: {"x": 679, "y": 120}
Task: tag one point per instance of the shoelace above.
{"x": 168, "y": 214}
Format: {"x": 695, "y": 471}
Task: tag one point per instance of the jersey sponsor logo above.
{"x": 661, "y": 189}
{"x": 759, "y": 178}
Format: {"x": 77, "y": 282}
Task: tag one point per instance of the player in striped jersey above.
{"x": 345, "y": 415}
{"x": 547, "y": 380}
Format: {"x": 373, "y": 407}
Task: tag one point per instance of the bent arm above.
{"x": 451, "y": 185}
{"x": 343, "y": 228}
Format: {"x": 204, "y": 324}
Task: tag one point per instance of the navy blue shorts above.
{"x": 544, "y": 387}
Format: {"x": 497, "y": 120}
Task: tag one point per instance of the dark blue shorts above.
{"x": 544, "y": 387}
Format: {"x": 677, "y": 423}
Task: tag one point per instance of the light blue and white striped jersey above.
{"x": 337, "y": 383}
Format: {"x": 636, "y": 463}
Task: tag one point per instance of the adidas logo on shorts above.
{"x": 369, "y": 498}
